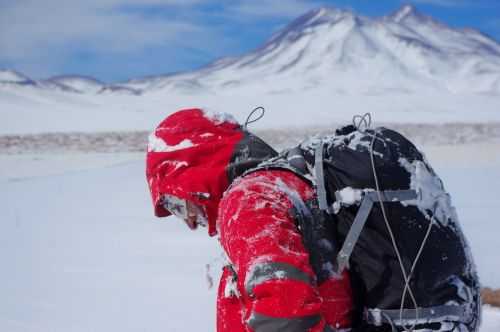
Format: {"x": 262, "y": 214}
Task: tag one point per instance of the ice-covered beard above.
{"x": 201, "y": 218}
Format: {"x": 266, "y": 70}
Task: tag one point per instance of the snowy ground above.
{"x": 55, "y": 111}
{"x": 82, "y": 252}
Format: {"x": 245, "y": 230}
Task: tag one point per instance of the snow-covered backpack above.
{"x": 382, "y": 212}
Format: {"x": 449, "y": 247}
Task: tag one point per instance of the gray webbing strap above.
{"x": 320, "y": 177}
{"x": 354, "y": 232}
{"x": 362, "y": 216}
{"x": 265, "y": 271}
{"x": 393, "y": 195}
{"x": 263, "y": 323}
{"x": 453, "y": 313}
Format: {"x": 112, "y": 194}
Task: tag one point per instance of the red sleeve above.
{"x": 337, "y": 300}
{"x": 276, "y": 283}
{"x": 229, "y": 314}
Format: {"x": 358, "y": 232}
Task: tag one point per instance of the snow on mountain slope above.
{"x": 324, "y": 67}
{"x": 329, "y": 47}
{"x": 13, "y": 77}
{"x": 78, "y": 83}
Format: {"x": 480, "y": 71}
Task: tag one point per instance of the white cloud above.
{"x": 27, "y": 27}
{"x": 31, "y": 27}
{"x": 50, "y": 32}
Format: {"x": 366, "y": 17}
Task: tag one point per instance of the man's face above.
{"x": 192, "y": 214}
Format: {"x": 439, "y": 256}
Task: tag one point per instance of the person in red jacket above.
{"x": 199, "y": 168}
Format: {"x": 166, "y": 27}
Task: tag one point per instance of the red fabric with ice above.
{"x": 255, "y": 226}
{"x": 198, "y": 149}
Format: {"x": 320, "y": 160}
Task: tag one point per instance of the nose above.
{"x": 191, "y": 222}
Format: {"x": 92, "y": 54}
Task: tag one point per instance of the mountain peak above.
{"x": 313, "y": 18}
{"x": 319, "y": 16}
{"x": 12, "y": 76}
{"x": 405, "y": 12}
{"x": 331, "y": 14}
{"x": 327, "y": 12}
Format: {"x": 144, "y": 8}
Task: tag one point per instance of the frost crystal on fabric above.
{"x": 356, "y": 141}
{"x": 432, "y": 196}
{"x": 231, "y": 287}
{"x": 348, "y": 196}
{"x": 218, "y": 117}
{"x": 156, "y": 144}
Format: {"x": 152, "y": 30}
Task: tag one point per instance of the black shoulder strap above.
{"x": 292, "y": 160}
{"x": 248, "y": 154}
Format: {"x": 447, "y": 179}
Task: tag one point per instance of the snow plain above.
{"x": 81, "y": 250}
{"x": 56, "y": 111}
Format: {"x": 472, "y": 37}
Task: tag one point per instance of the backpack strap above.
{"x": 319, "y": 176}
{"x": 367, "y": 200}
{"x": 405, "y": 317}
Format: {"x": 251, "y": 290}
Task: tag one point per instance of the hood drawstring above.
{"x": 261, "y": 115}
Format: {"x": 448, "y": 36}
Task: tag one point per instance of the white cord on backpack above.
{"x": 431, "y": 223}
{"x": 406, "y": 277}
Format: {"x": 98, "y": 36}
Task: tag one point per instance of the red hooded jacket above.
{"x": 270, "y": 284}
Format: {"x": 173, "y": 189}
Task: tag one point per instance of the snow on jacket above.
{"x": 270, "y": 284}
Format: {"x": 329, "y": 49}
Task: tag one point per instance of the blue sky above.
{"x": 114, "y": 40}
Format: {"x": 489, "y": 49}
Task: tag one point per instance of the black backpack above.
{"x": 382, "y": 212}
